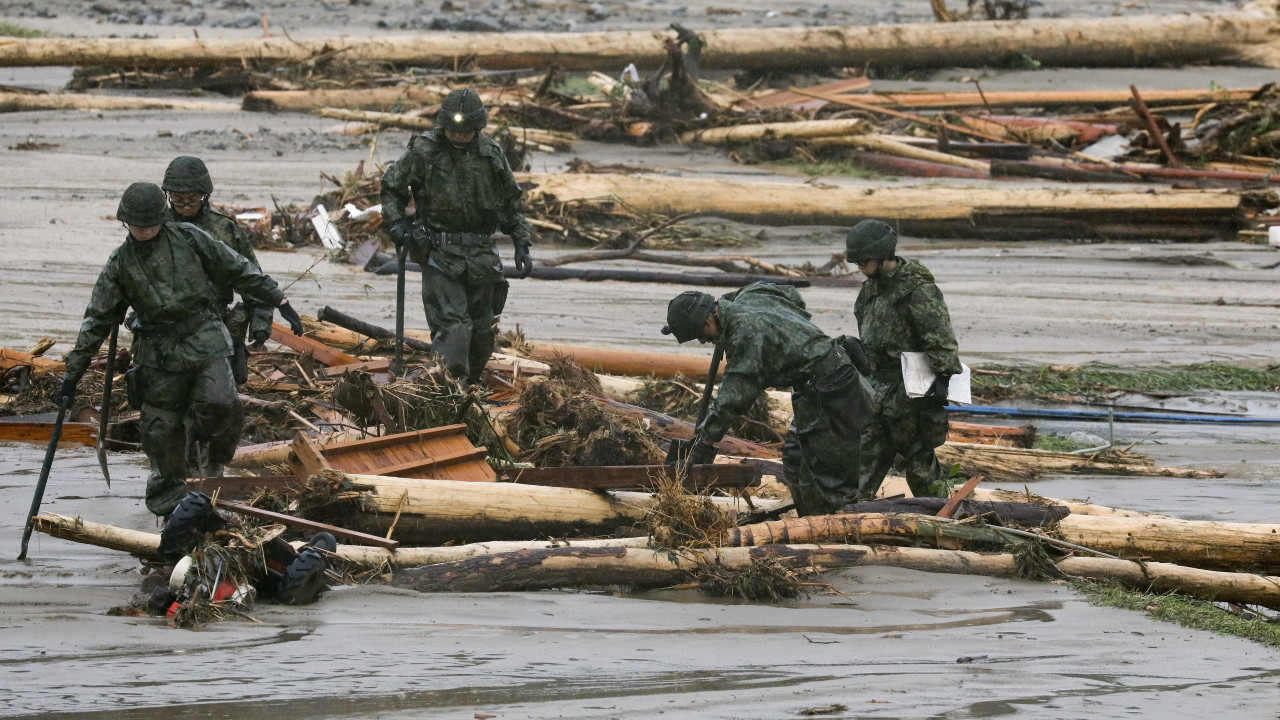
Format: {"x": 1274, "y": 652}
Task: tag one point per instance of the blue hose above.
{"x": 1093, "y": 415}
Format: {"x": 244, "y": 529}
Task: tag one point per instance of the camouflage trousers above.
{"x": 200, "y": 405}
{"x": 910, "y": 428}
{"x": 460, "y": 312}
{"x": 822, "y": 456}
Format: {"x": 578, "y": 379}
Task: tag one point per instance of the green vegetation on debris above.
{"x": 1057, "y": 443}
{"x": 1095, "y": 380}
{"x": 830, "y": 168}
{"x": 1184, "y": 611}
{"x": 11, "y": 30}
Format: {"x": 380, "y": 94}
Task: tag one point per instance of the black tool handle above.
{"x": 44, "y": 475}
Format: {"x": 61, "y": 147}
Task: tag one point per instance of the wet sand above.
{"x": 888, "y": 648}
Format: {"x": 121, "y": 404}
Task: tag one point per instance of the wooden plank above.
{"x": 237, "y": 487}
{"x": 309, "y": 525}
{"x": 38, "y": 433}
{"x": 379, "y": 365}
{"x": 422, "y": 466}
{"x": 318, "y": 350}
{"x": 796, "y": 100}
{"x": 304, "y": 458}
{"x": 391, "y": 440}
{"x": 639, "y": 477}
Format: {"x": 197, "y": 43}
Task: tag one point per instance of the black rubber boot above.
{"x": 186, "y": 525}
{"x": 303, "y": 580}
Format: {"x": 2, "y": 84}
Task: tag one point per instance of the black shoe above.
{"x": 187, "y": 524}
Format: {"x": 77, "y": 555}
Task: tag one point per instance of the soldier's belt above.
{"x": 185, "y": 326}
{"x": 463, "y": 239}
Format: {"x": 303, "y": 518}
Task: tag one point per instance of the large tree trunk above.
{"x": 588, "y": 567}
{"x": 1208, "y": 545}
{"x": 383, "y": 98}
{"x": 1008, "y": 464}
{"x": 146, "y": 545}
{"x": 1139, "y": 40}
{"x": 992, "y": 213}
{"x": 433, "y": 512}
{"x": 23, "y": 102}
{"x": 551, "y": 138}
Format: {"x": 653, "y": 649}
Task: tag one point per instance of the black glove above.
{"x": 702, "y": 453}
{"x": 259, "y": 338}
{"x": 401, "y": 231}
{"x": 938, "y": 390}
{"x": 291, "y": 316}
{"x": 524, "y": 261}
{"x": 67, "y": 393}
{"x": 853, "y": 348}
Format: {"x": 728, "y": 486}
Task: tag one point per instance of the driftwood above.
{"x": 1124, "y": 173}
{"x": 438, "y": 511}
{"x": 1022, "y": 464}
{"x": 591, "y": 567}
{"x": 801, "y": 129}
{"x": 1110, "y": 41}
{"x": 25, "y": 102}
{"x": 890, "y": 146}
{"x": 356, "y": 325}
{"x": 993, "y": 213}
{"x": 549, "y": 138}
{"x": 146, "y": 545}
{"x": 1036, "y": 98}
{"x": 893, "y": 165}
{"x": 382, "y": 98}
{"x": 725, "y": 279}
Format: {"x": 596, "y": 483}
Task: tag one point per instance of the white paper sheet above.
{"x": 917, "y": 376}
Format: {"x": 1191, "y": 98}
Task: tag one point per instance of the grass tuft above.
{"x": 1095, "y": 380}
{"x": 11, "y": 30}
{"x": 1181, "y": 610}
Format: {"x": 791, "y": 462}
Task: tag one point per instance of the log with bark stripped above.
{"x": 593, "y": 567}
{"x": 1108, "y": 41}
{"x": 992, "y": 213}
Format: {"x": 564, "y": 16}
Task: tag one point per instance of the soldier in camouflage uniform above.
{"x": 463, "y": 190}
{"x": 167, "y": 271}
{"x": 769, "y": 341}
{"x": 188, "y": 185}
{"x": 900, "y": 309}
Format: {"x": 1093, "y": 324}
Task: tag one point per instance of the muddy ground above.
{"x": 896, "y": 644}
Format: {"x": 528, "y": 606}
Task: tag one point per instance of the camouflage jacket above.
{"x": 469, "y": 190}
{"x": 233, "y": 236}
{"x": 170, "y": 282}
{"x": 903, "y": 311}
{"x": 768, "y": 341}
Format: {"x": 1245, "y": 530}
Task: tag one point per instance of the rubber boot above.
{"x": 186, "y": 525}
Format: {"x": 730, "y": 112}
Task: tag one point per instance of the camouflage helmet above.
{"x": 143, "y": 204}
{"x": 870, "y": 240}
{"x": 687, "y": 313}
{"x": 462, "y": 111}
{"x": 187, "y": 174}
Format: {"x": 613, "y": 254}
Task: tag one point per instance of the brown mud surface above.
{"x": 901, "y": 644}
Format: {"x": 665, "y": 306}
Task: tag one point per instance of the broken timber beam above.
{"x": 323, "y": 354}
{"x": 26, "y": 102}
{"x": 942, "y": 212}
{"x": 38, "y": 433}
{"x": 1109, "y": 41}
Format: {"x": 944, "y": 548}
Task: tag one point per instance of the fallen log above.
{"x": 433, "y": 512}
{"x": 381, "y": 98}
{"x": 550, "y": 138}
{"x": 1128, "y": 173}
{"x": 1044, "y": 98}
{"x": 592, "y": 567}
{"x": 985, "y": 150}
{"x": 1095, "y": 42}
{"x": 1006, "y": 464}
{"x": 356, "y": 325}
{"x": 38, "y": 433}
{"x": 801, "y": 129}
{"x": 698, "y": 478}
{"x": 13, "y": 358}
{"x": 893, "y": 165}
{"x": 543, "y": 272}
{"x": 1039, "y": 130}
{"x": 1077, "y": 507}
{"x": 992, "y": 213}
{"x": 890, "y": 146}
{"x": 307, "y": 526}
{"x": 146, "y": 545}
{"x": 27, "y": 102}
